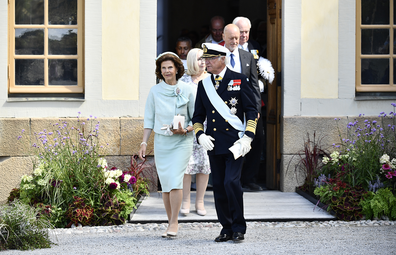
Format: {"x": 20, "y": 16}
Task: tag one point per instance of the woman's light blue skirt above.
{"x": 171, "y": 155}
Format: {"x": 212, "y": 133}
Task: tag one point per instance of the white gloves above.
{"x": 244, "y": 142}
{"x": 206, "y": 142}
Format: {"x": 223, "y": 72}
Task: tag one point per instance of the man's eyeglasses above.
{"x": 211, "y": 59}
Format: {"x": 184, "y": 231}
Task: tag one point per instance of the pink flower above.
{"x": 132, "y": 180}
{"x": 121, "y": 178}
{"x": 113, "y": 168}
{"x": 386, "y": 167}
{"x": 113, "y": 185}
{"x": 389, "y": 175}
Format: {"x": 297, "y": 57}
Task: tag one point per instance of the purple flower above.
{"x": 393, "y": 104}
{"x": 382, "y": 112}
{"x": 74, "y": 188}
{"x": 386, "y": 167}
{"x": 79, "y": 113}
{"x": 56, "y": 183}
{"x": 389, "y": 175}
{"x": 122, "y": 178}
{"x": 113, "y": 185}
{"x": 132, "y": 180}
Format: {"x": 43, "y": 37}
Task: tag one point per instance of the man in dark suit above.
{"x": 225, "y": 99}
{"x": 244, "y": 62}
{"x": 245, "y": 42}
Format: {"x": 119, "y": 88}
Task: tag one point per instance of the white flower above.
{"x": 384, "y": 159}
{"x": 325, "y": 160}
{"x": 117, "y": 173}
{"x": 393, "y": 164}
{"x": 127, "y": 177}
{"x": 102, "y": 162}
{"x": 345, "y": 156}
{"x": 118, "y": 185}
{"x": 42, "y": 182}
{"x": 334, "y": 155}
{"x": 39, "y": 170}
{"x": 28, "y": 186}
{"x": 27, "y": 178}
{"x": 109, "y": 180}
{"x": 107, "y": 174}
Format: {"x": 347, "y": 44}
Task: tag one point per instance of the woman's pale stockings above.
{"x": 172, "y": 201}
{"x": 201, "y": 183}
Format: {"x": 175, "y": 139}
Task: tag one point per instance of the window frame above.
{"x": 46, "y": 88}
{"x": 391, "y": 87}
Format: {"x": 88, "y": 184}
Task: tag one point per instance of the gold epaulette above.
{"x": 198, "y": 127}
{"x": 251, "y": 126}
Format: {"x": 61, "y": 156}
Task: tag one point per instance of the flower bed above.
{"x": 358, "y": 179}
{"x": 71, "y": 181}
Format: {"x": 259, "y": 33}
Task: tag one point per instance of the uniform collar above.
{"x": 222, "y": 73}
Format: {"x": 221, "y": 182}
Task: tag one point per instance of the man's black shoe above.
{"x": 223, "y": 238}
{"x": 238, "y": 237}
{"x": 251, "y": 187}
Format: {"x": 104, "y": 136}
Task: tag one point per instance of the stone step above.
{"x": 268, "y": 205}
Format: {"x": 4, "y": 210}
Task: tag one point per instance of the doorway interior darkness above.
{"x": 180, "y": 17}
{"x": 175, "y": 17}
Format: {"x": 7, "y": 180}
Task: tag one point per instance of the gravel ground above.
{"x": 361, "y": 237}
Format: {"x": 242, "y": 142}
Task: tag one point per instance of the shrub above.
{"x": 22, "y": 229}
{"x": 380, "y": 203}
{"x": 80, "y": 212}
{"x": 309, "y": 163}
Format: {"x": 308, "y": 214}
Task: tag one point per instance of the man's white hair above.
{"x": 235, "y": 21}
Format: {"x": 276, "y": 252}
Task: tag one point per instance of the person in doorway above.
{"x": 183, "y": 46}
{"x": 216, "y": 30}
{"x": 166, "y": 100}
{"x": 199, "y": 161}
{"x": 245, "y": 42}
{"x": 226, "y": 100}
{"x": 243, "y": 62}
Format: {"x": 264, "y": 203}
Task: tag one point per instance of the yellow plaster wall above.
{"x": 319, "y": 49}
{"x": 120, "y": 49}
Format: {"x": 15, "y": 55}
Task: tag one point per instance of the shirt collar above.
{"x": 222, "y": 73}
{"x": 235, "y": 52}
{"x": 244, "y": 46}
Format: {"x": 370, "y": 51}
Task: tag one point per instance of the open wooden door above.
{"x": 274, "y": 40}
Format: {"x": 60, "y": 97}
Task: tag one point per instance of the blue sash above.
{"x": 221, "y": 107}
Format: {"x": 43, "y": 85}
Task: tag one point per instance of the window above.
{"x": 375, "y": 49}
{"x": 45, "y": 46}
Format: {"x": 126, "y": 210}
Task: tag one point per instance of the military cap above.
{"x": 211, "y": 50}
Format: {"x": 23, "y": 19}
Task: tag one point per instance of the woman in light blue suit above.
{"x": 172, "y": 143}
